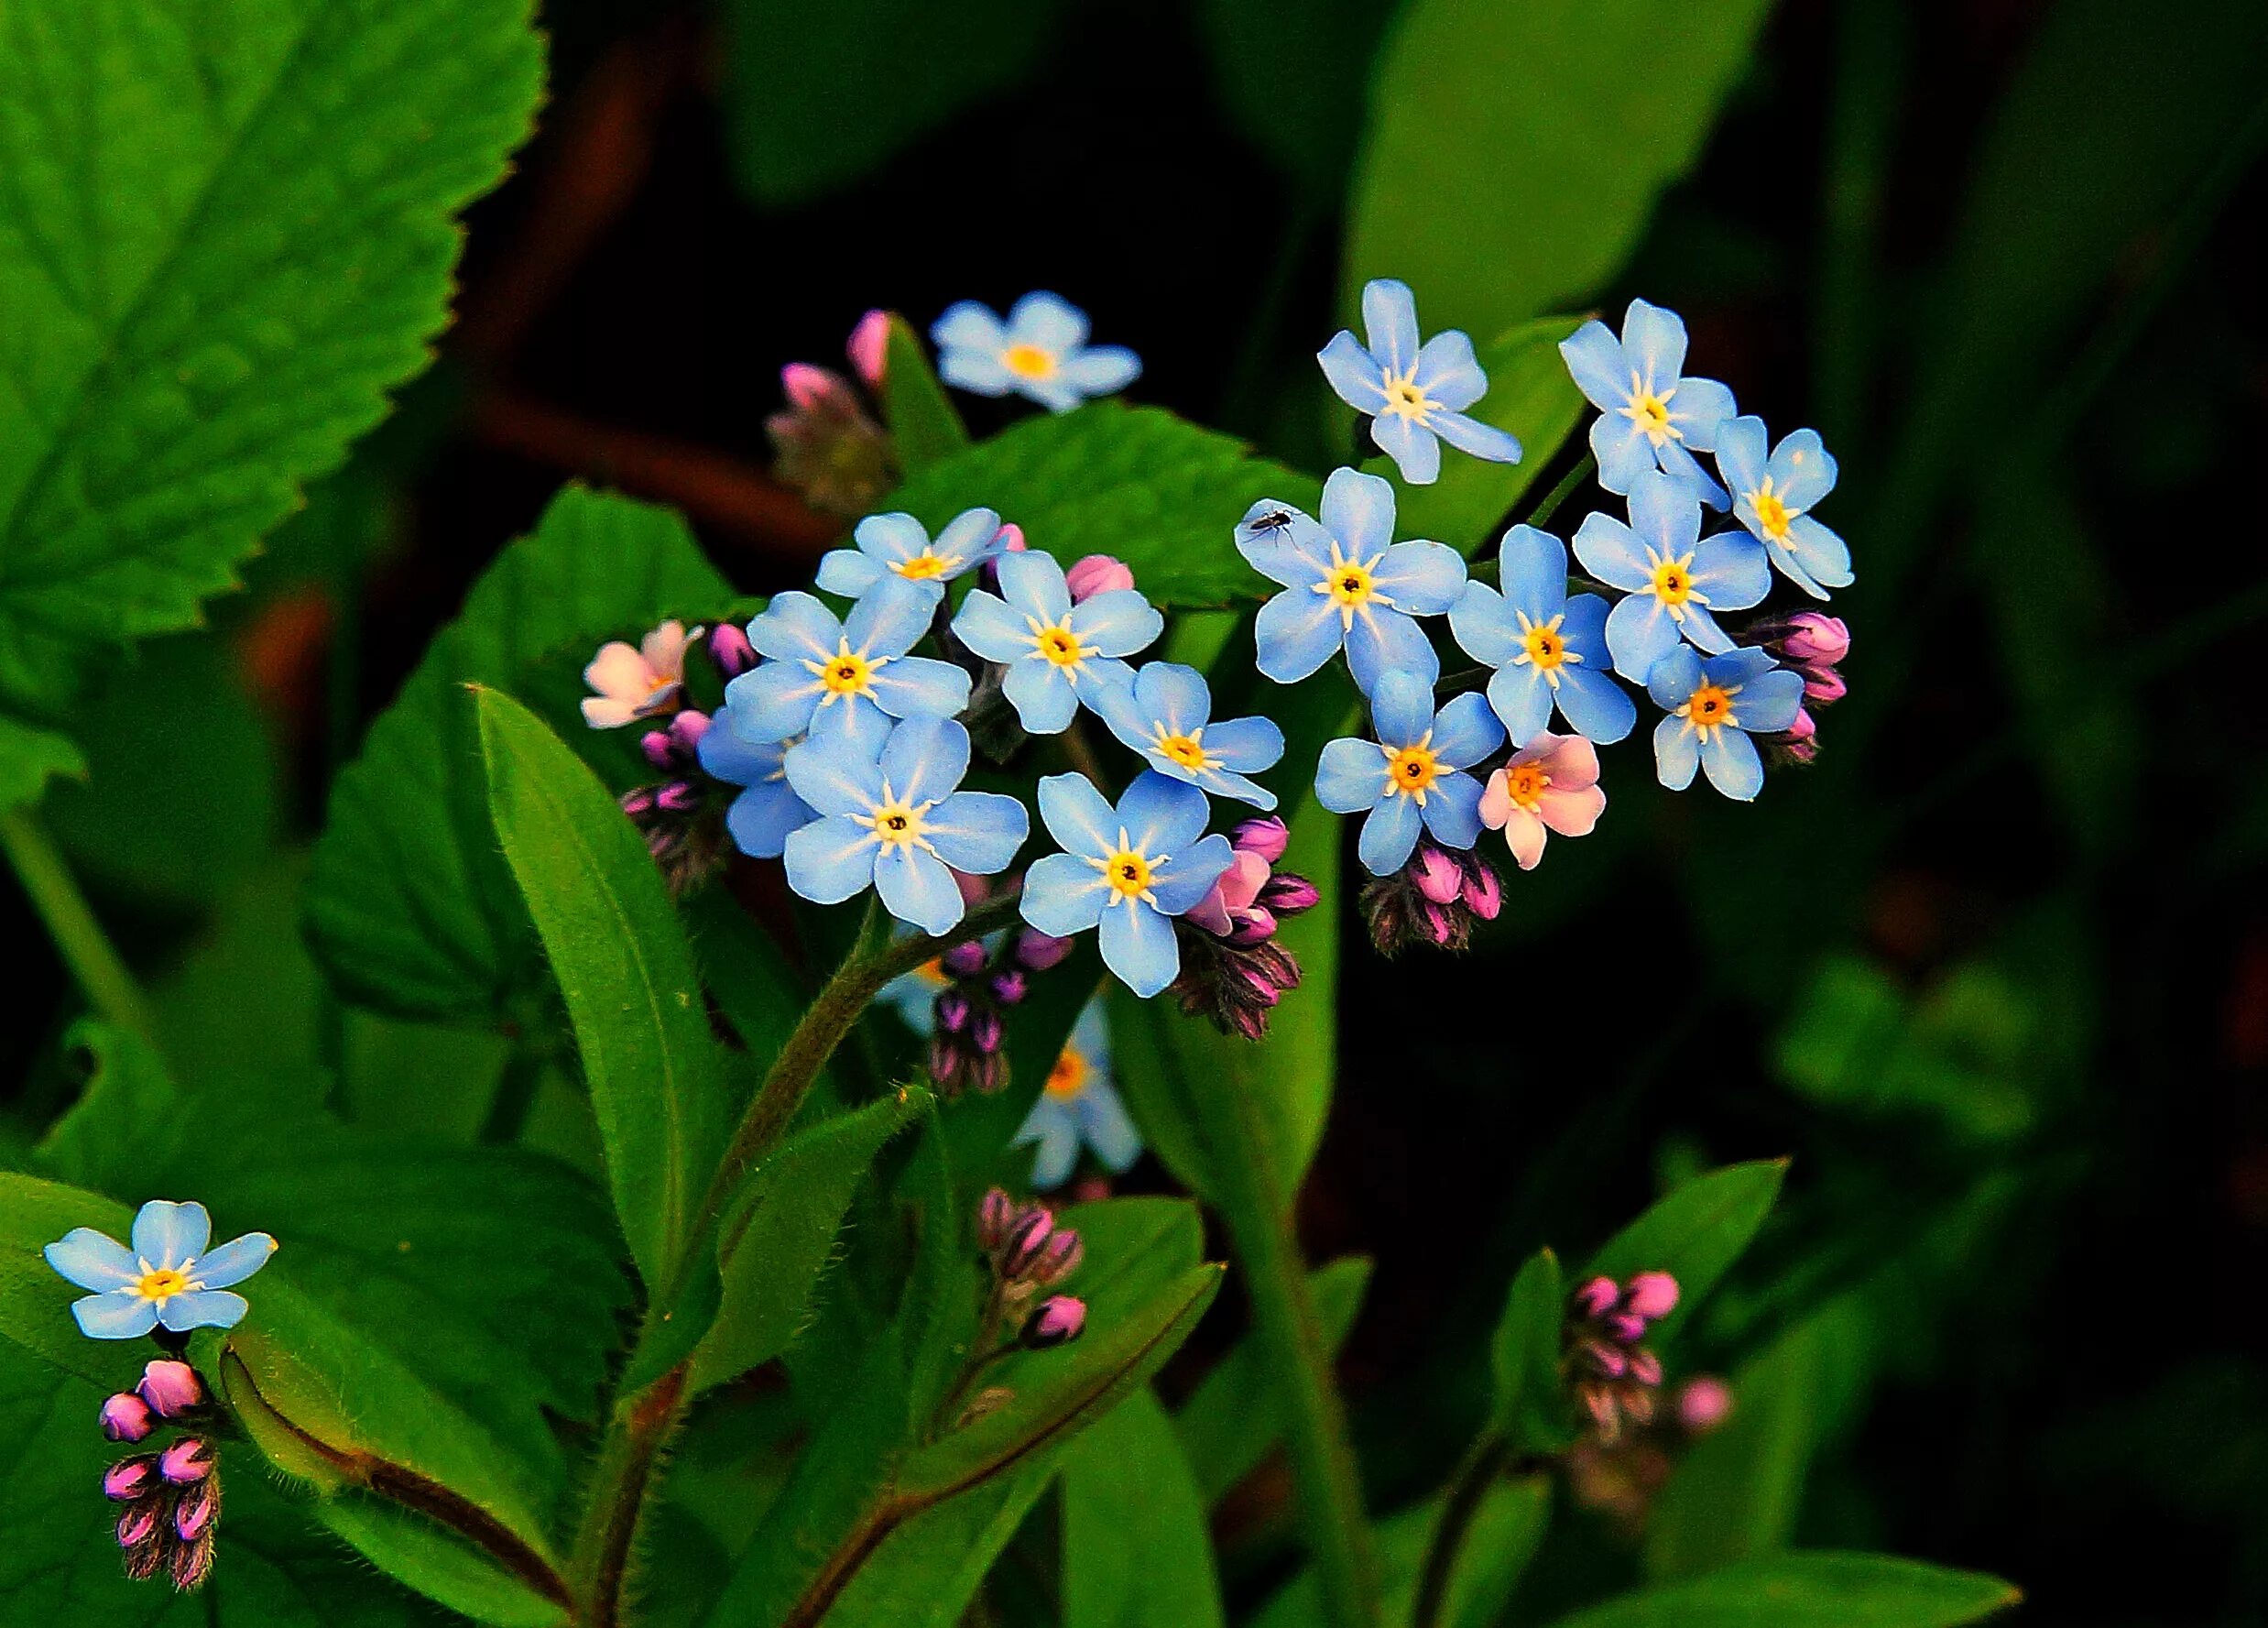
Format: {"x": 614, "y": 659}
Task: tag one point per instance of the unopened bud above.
{"x": 170, "y": 1387}
{"x": 995, "y": 1213}
{"x": 1627, "y": 1326}
{"x": 730, "y": 650}
{"x": 677, "y": 796}
{"x": 984, "y": 1030}
{"x": 1059, "y": 1257}
{"x": 1703, "y": 1404}
{"x": 1267, "y": 837}
{"x": 138, "y": 1526}
{"x": 129, "y": 1477}
{"x": 638, "y": 802}
{"x": 1011, "y": 537}
{"x": 868, "y": 347}
{"x": 1597, "y": 1297}
{"x": 1436, "y": 874}
{"x": 963, "y": 960}
{"x": 192, "y": 1563}
{"x": 196, "y": 1510}
{"x": 1483, "y": 895}
{"x": 125, "y": 1418}
{"x": 1038, "y": 951}
{"x": 1287, "y": 895}
{"x": 1652, "y": 1296}
{"x": 655, "y": 747}
{"x": 1057, "y": 1320}
{"x": 1096, "y": 573}
{"x": 685, "y": 732}
{"x": 1026, "y": 1238}
{"x": 953, "y": 1011}
{"x": 188, "y": 1460}
{"x": 1824, "y": 685}
{"x": 1249, "y": 927}
{"x": 808, "y": 387}
{"x": 1814, "y": 636}
{"x": 1010, "y": 988}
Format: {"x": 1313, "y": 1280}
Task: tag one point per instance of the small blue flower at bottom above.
{"x": 1415, "y": 395}
{"x": 1041, "y": 353}
{"x": 1166, "y": 715}
{"x": 168, "y": 1278}
{"x": 1128, "y": 870}
{"x": 1080, "y": 1104}
{"x": 894, "y": 821}
{"x": 1409, "y": 776}
{"x": 768, "y": 810}
{"x": 1548, "y": 650}
{"x": 1714, "y": 706}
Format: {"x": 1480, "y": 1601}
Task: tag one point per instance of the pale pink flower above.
{"x": 1233, "y": 891}
{"x": 1549, "y": 784}
{"x": 638, "y": 681}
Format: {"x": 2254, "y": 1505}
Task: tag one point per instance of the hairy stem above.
{"x": 1466, "y": 1488}
{"x": 640, "y": 1428}
{"x": 86, "y": 949}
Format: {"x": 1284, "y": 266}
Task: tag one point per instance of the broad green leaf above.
{"x": 35, "y": 1304}
{"x": 224, "y": 239}
{"x": 437, "y": 1563}
{"x": 1531, "y": 393}
{"x": 1822, "y": 1590}
{"x": 928, "y": 1569}
{"x": 761, "y": 995}
{"x": 1234, "y": 1418}
{"x": 1261, "y": 50}
{"x": 1136, "y": 482}
{"x": 1515, "y": 152}
{"x": 29, "y": 758}
{"x": 410, "y": 908}
{"x": 923, "y": 424}
{"x": 627, "y": 973}
{"x": 1530, "y": 1408}
{"x": 776, "y": 1243}
{"x": 819, "y": 92}
{"x": 1502, "y": 1538}
{"x": 1695, "y": 1234}
{"x": 1136, "y": 1551}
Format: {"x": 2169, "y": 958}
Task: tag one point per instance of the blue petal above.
{"x": 979, "y": 372}
{"x": 1522, "y": 699}
{"x": 1402, "y": 708}
{"x": 1653, "y": 340}
{"x": 1699, "y": 411}
{"x": 1452, "y": 811}
{"x": 969, "y": 326}
{"x": 1768, "y": 703}
{"x": 1293, "y": 555}
{"x": 917, "y": 888}
{"x": 1116, "y": 623}
{"x": 1103, "y": 1121}
{"x": 1161, "y": 815}
{"x": 1816, "y": 553}
{"x": 1700, "y": 630}
{"x": 1484, "y": 626}
{"x": 116, "y": 1315}
{"x": 1384, "y": 641}
{"x": 1623, "y": 450}
{"x": 773, "y": 701}
{"x": 1639, "y": 633}
{"x": 890, "y": 620}
{"x": 1740, "y": 453}
{"x": 970, "y": 536}
{"x": 1677, "y": 753}
{"x": 924, "y": 758}
{"x": 1731, "y": 572}
{"x": 1534, "y": 571}
{"x": 1672, "y": 679}
{"x": 1350, "y": 776}
{"x": 93, "y": 1259}
{"x": 891, "y": 539}
{"x": 1032, "y": 582}
{"x": 1077, "y": 817}
{"x": 1091, "y": 1034}
{"x": 1413, "y": 448}
{"x": 852, "y": 722}
{"x": 730, "y": 755}
{"x": 977, "y": 831}
{"x": 203, "y": 1308}
{"x": 1611, "y": 553}
{"x": 761, "y": 817}
{"x": 1739, "y": 667}
{"x": 1296, "y": 633}
{"x": 834, "y": 777}
{"x": 1189, "y": 873}
{"x": 1388, "y": 833}
{"x": 1449, "y": 373}
{"x": 1359, "y": 509}
{"x": 1466, "y": 731}
{"x": 1100, "y": 370}
{"x": 1685, "y": 469}
{"x": 1220, "y": 782}
{"x": 1585, "y": 628}
{"x": 1058, "y": 1137}
{"x": 1174, "y": 696}
{"x": 1595, "y": 361}
{"x": 1424, "y": 578}
{"x": 1474, "y": 439}
{"x": 1041, "y": 694}
{"x": 1048, "y": 321}
{"x": 1063, "y": 895}
{"x": 1733, "y": 767}
{"x": 829, "y": 859}
{"x": 1245, "y": 746}
{"x": 1138, "y": 945}
{"x": 991, "y": 627}
{"x": 847, "y": 572}
{"x": 167, "y": 1234}
{"x": 920, "y": 687}
{"x": 795, "y": 627}
{"x": 1803, "y": 471}
{"x": 1665, "y": 513}
{"x": 1353, "y": 374}
{"x": 1595, "y": 706}
{"x": 235, "y": 1261}
{"x": 1389, "y": 323}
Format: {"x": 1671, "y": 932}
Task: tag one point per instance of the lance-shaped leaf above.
{"x": 1530, "y": 1408}
{"x": 1823, "y": 1589}
{"x": 225, "y": 236}
{"x": 1136, "y": 1552}
{"x": 1695, "y": 1234}
{"x": 923, "y": 424}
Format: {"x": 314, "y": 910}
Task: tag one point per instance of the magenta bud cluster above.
{"x": 1233, "y": 972}
{"x": 965, "y": 1048}
{"x": 1616, "y": 1378}
{"x": 1436, "y": 900}
{"x": 1813, "y": 644}
{"x": 172, "y": 1496}
{"x": 1026, "y": 1248}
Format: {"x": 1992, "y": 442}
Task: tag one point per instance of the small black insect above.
{"x": 1276, "y": 520}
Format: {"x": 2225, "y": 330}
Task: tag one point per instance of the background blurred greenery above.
{"x": 1994, "y": 972}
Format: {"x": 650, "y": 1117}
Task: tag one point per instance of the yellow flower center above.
{"x": 846, "y": 673}
{"x": 1709, "y": 707}
{"x": 1187, "y": 750}
{"x": 1405, "y": 400}
{"x": 1650, "y": 413}
{"x": 925, "y": 566}
{"x": 1673, "y": 583}
{"x": 1542, "y": 645}
{"x": 1068, "y": 1077}
{"x": 1351, "y": 585}
{"x": 1059, "y": 644}
{"x": 1525, "y": 784}
{"x": 1772, "y": 512}
{"x": 1129, "y": 873}
{"x": 162, "y": 1283}
{"x": 1028, "y": 361}
{"x": 897, "y": 824}
{"x": 1413, "y": 771}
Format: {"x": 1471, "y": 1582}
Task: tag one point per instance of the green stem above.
{"x": 71, "y": 921}
{"x": 1584, "y": 468}
{"x": 1466, "y": 1488}
{"x": 515, "y": 1094}
{"x": 639, "y": 1429}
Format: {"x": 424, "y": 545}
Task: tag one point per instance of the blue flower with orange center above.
{"x": 1079, "y": 1107}
{"x": 1039, "y": 353}
{"x": 169, "y": 1279}
{"x": 1773, "y": 497}
{"x": 1166, "y": 715}
{"x": 1416, "y": 394}
{"x": 1672, "y": 578}
{"x": 1057, "y": 653}
{"x": 1410, "y": 778}
{"x": 1650, "y": 415}
{"x": 898, "y": 545}
{"x": 826, "y": 672}
{"x": 1549, "y": 651}
{"x": 760, "y": 819}
{"x": 1713, "y": 705}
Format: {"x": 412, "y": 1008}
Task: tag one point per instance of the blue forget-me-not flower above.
{"x": 1057, "y": 653}
{"x": 168, "y": 1278}
{"x": 1416, "y": 394}
{"x": 767, "y": 809}
{"x": 823, "y": 671}
{"x": 1548, "y": 650}
{"x": 1650, "y": 416}
{"x": 1128, "y": 870}
{"x": 898, "y": 545}
{"x": 1348, "y": 584}
{"x": 1673, "y": 580}
{"x": 1039, "y": 353}
{"x": 1773, "y": 497}
{"x": 896, "y": 820}
{"x": 1409, "y": 776}
{"x": 1714, "y": 706}
{"x": 1079, "y": 1104}
{"x": 1166, "y": 715}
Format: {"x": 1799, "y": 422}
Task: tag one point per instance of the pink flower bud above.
{"x": 1823, "y": 685}
{"x": 188, "y": 1460}
{"x": 1814, "y": 636}
{"x": 1597, "y": 1297}
{"x": 1439, "y": 927}
{"x": 128, "y": 1478}
{"x": 1652, "y": 1296}
{"x": 953, "y": 1011}
{"x": 984, "y": 1030}
{"x": 1058, "y": 1318}
{"x": 869, "y": 347}
{"x": 188, "y": 1565}
{"x": 1026, "y": 1238}
{"x": 1646, "y": 1368}
{"x": 1267, "y": 837}
{"x": 638, "y": 802}
{"x": 1288, "y": 894}
{"x": 686, "y": 730}
{"x": 963, "y": 960}
{"x": 171, "y": 1388}
{"x": 1483, "y": 895}
{"x": 1437, "y": 875}
{"x": 125, "y": 1418}
{"x": 1805, "y": 727}
{"x": 1605, "y": 1360}
{"x": 1011, "y": 987}
{"x": 655, "y": 747}
{"x": 1060, "y": 1257}
{"x": 1251, "y": 926}
{"x": 1704, "y": 1402}
{"x": 1039, "y": 951}
{"x": 995, "y": 1213}
{"x": 195, "y": 1512}
{"x": 1011, "y": 537}
{"x": 138, "y": 1526}
{"x": 809, "y": 386}
{"x": 730, "y": 650}
{"x": 1097, "y": 574}
{"x": 1627, "y": 1326}
{"x": 677, "y": 796}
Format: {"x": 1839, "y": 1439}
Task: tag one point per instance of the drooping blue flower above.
{"x": 1128, "y": 870}
{"x": 168, "y": 1278}
{"x": 1039, "y": 353}
{"x": 1348, "y": 584}
{"x": 1673, "y": 580}
{"x": 1714, "y": 706}
{"x": 894, "y": 821}
{"x": 823, "y": 671}
{"x": 1773, "y": 497}
{"x": 1166, "y": 715}
{"x": 1409, "y": 776}
{"x": 1548, "y": 650}
{"x": 1650, "y": 416}
{"x": 1415, "y": 395}
{"x": 1057, "y": 653}
{"x": 1080, "y": 1104}
{"x": 898, "y": 545}
{"x": 767, "y": 809}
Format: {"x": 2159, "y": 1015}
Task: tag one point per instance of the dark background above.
{"x": 1994, "y": 972}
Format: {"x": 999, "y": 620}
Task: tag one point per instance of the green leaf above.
{"x": 29, "y": 758}
{"x": 1259, "y": 48}
{"x": 219, "y": 251}
{"x": 410, "y": 908}
{"x": 627, "y": 973}
{"x": 777, "y": 1243}
{"x": 1531, "y": 393}
{"x": 1503, "y": 1537}
{"x": 1497, "y": 206}
{"x": 1823, "y": 1589}
{"x": 818, "y": 92}
{"x": 1136, "y": 1551}
{"x": 436, "y": 1563}
{"x": 1136, "y": 482}
{"x": 1234, "y": 1418}
{"x": 1530, "y": 1408}
{"x": 928, "y": 1569}
{"x": 923, "y": 424}
{"x": 1695, "y": 1234}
